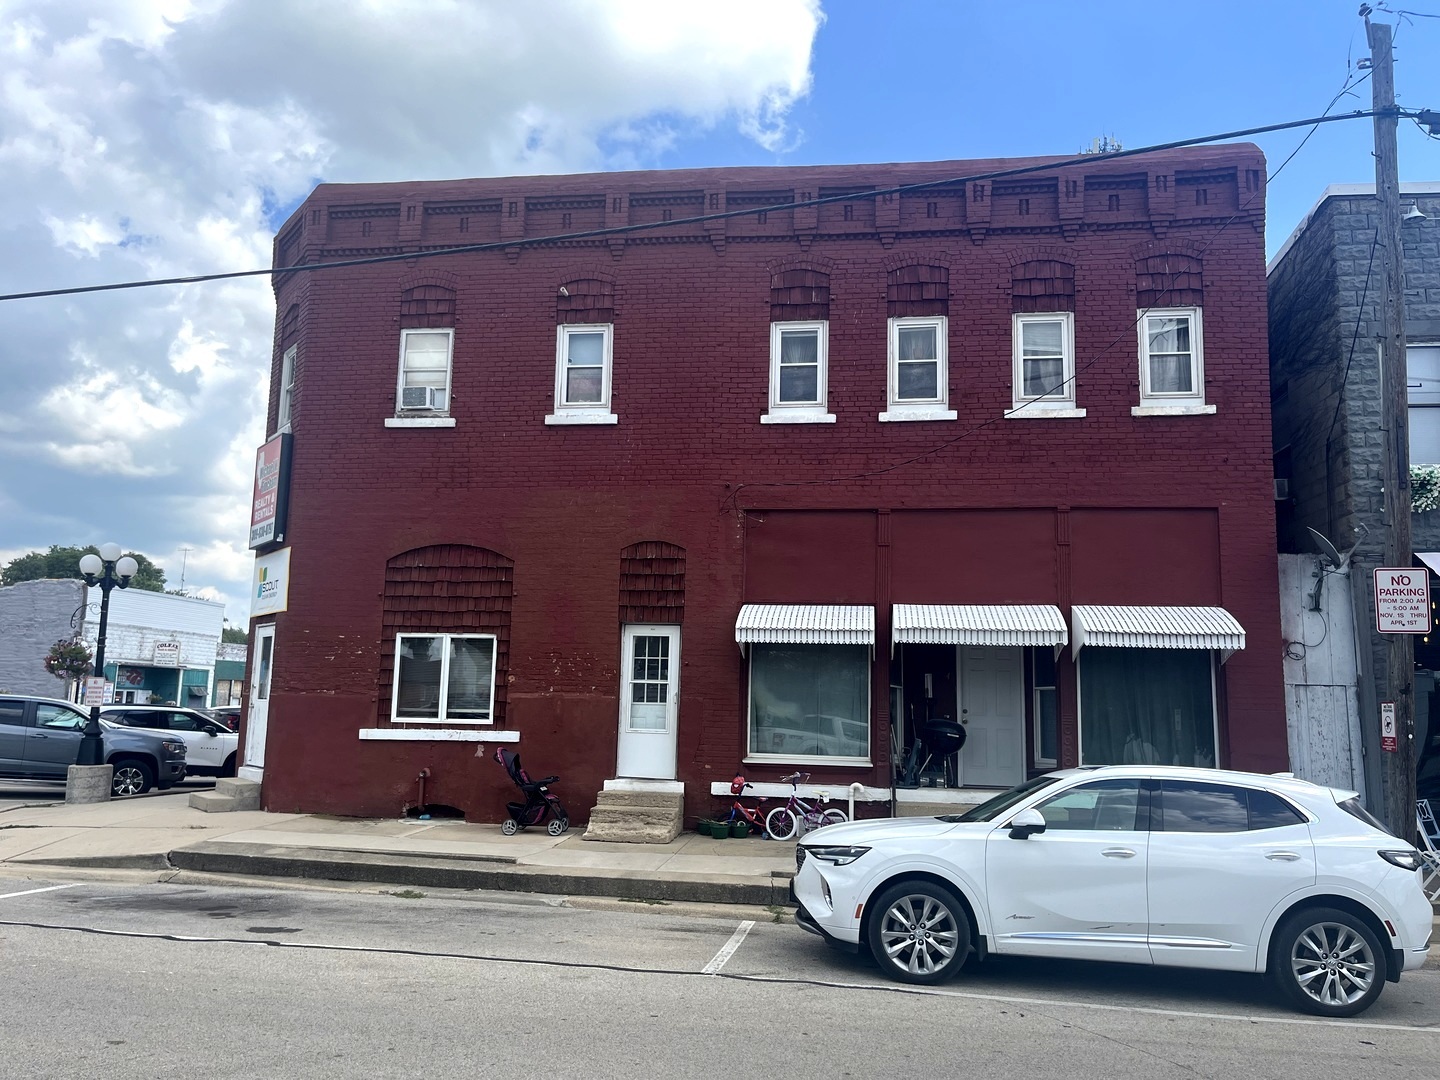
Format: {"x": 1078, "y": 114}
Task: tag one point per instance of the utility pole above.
{"x": 1398, "y": 768}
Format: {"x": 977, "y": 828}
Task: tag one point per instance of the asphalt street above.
{"x": 122, "y": 979}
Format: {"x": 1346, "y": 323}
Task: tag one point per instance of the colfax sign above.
{"x": 1402, "y": 601}
{"x": 270, "y": 505}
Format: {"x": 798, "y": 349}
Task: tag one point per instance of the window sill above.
{"x": 391, "y": 734}
{"x": 1043, "y": 412}
{"x": 798, "y": 416}
{"x": 592, "y": 417}
{"x": 419, "y": 421}
{"x": 1172, "y": 410}
{"x": 913, "y": 413}
{"x": 801, "y": 759}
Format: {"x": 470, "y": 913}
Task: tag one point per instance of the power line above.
{"x": 624, "y": 230}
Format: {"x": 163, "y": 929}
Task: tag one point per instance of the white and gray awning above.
{"x": 978, "y": 624}
{"x": 806, "y": 624}
{"x": 1156, "y": 628}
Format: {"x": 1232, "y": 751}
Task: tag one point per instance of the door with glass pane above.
{"x": 255, "y": 724}
{"x": 649, "y": 702}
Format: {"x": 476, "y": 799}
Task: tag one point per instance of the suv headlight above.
{"x": 1406, "y": 860}
{"x": 838, "y": 856}
{"x": 172, "y": 746}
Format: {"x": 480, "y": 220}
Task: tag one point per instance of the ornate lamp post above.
{"x": 109, "y": 570}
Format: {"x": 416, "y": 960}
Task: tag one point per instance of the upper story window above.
{"x": 918, "y": 369}
{"x": 798, "y": 355}
{"x": 1044, "y": 354}
{"x": 799, "y": 345}
{"x": 1172, "y": 361}
{"x": 583, "y": 359}
{"x": 287, "y": 387}
{"x": 1423, "y": 382}
{"x": 424, "y": 385}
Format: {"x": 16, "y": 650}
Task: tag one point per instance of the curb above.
{"x": 258, "y": 860}
{"x": 158, "y": 861}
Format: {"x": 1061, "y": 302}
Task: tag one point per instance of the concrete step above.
{"x": 666, "y": 799}
{"x": 233, "y": 785}
{"x": 635, "y": 824}
{"x": 229, "y": 794}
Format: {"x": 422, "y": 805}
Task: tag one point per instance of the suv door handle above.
{"x": 1283, "y": 856}
{"x": 1118, "y": 853}
{"x": 39, "y": 735}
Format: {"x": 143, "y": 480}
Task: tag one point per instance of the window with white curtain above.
{"x": 444, "y": 678}
{"x": 1044, "y": 355}
{"x": 583, "y": 362}
{"x": 1147, "y": 707}
{"x": 809, "y": 701}
{"x": 918, "y": 369}
{"x": 424, "y": 384}
{"x": 797, "y": 373}
{"x": 1172, "y": 367}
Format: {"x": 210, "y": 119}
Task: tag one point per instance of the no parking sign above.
{"x": 1402, "y": 601}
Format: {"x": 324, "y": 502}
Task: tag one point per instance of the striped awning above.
{"x": 978, "y": 624}
{"x": 806, "y": 624}
{"x": 1157, "y": 628}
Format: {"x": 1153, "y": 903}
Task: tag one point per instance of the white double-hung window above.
{"x": 425, "y": 361}
{"x": 584, "y": 357}
{"x": 1172, "y": 363}
{"x": 444, "y": 678}
{"x": 1044, "y": 365}
{"x": 919, "y": 373}
{"x": 287, "y": 388}
{"x": 798, "y": 355}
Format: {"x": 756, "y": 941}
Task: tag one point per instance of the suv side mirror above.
{"x": 1026, "y": 823}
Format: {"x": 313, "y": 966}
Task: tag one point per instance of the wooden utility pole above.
{"x": 1398, "y": 768}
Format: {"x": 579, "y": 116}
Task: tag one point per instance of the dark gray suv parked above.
{"x": 40, "y": 739}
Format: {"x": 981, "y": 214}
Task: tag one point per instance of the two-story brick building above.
{"x": 788, "y": 489}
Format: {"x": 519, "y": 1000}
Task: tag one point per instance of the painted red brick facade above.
{"x": 1108, "y": 508}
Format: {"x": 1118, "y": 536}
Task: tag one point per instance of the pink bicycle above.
{"x": 798, "y": 817}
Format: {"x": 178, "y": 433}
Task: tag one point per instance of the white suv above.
{"x": 210, "y": 746}
{"x": 1184, "y": 867}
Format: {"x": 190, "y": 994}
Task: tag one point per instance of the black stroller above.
{"x": 539, "y": 802}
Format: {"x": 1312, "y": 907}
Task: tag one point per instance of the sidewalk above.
{"x": 163, "y": 832}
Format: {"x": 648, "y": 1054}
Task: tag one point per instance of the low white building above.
{"x": 158, "y": 647}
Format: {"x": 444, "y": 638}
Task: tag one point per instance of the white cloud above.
{"x": 155, "y": 138}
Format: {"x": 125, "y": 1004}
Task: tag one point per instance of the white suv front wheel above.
{"x": 919, "y": 932}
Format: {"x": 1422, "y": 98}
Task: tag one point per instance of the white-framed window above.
{"x": 798, "y": 358}
{"x": 1044, "y": 707}
{"x": 584, "y": 358}
{"x": 443, "y": 678}
{"x": 918, "y": 369}
{"x": 1043, "y": 349}
{"x": 809, "y": 703}
{"x": 1172, "y": 362}
{"x": 425, "y": 361}
{"x": 1423, "y": 379}
{"x": 287, "y": 387}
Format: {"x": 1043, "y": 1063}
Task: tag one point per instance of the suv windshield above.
{"x": 993, "y": 808}
{"x": 1355, "y": 810}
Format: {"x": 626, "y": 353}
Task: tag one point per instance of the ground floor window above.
{"x": 1044, "y": 706}
{"x": 1147, "y": 707}
{"x": 444, "y": 677}
{"x": 810, "y": 701}
{"x": 227, "y": 691}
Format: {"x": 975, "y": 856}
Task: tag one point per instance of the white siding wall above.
{"x": 140, "y": 619}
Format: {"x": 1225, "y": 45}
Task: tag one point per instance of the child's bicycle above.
{"x": 797, "y": 816}
{"x": 740, "y": 812}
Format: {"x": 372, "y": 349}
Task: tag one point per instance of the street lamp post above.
{"x": 109, "y": 570}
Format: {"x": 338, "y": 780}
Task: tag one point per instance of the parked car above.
{"x": 229, "y": 715}
{"x": 1183, "y": 867}
{"x": 40, "y": 740}
{"x": 210, "y": 747}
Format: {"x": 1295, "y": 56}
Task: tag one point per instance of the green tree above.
{"x": 64, "y": 562}
{"x": 235, "y": 635}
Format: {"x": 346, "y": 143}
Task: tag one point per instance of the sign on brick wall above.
{"x": 270, "y": 503}
{"x": 1402, "y": 601}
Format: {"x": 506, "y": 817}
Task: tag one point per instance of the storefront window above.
{"x": 810, "y": 701}
{"x": 1047, "y": 728}
{"x": 1146, "y": 707}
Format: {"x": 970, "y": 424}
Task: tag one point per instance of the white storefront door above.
{"x": 259, "y": 715}
{"x": 992, "y": 708}
{"x": 649, "y": 702}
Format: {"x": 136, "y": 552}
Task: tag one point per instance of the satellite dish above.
{"x": 1328, "y": 551}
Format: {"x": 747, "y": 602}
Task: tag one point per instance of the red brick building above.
{"x": 787, "y": 489}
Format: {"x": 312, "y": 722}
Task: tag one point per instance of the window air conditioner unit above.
{"x": 1282, "y": 488}
{"x": 420, "y": 397}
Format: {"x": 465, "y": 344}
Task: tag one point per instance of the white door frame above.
{"x": 648, "y": 752}
{"x": 257, "y": 719}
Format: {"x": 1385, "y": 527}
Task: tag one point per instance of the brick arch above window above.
{"x": 799, "y": 290}
{"x": 1169, "y": 279}
{"x": 916, "y": 286}
{"x": 652, "y": 583}
{"x": 290, "y": 326}
{"x": 587, "y": 295}
{"x": 447, "y": 589}
{"x": 1042, "y": 284}
{"x": 427, "y": 306}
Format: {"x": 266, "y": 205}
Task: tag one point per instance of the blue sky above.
{"x": 153, "y": 138}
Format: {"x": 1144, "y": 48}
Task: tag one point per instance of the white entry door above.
{"x": 992, "y": 708}
{"x": 259, "y": 715}
{"x": 649, "y": 702}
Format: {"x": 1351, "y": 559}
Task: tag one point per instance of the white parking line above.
{"x": 31, "y": 892}
{"x": 728, "y": 949}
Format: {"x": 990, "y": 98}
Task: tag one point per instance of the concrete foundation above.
{"x": 88, "y": 783}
